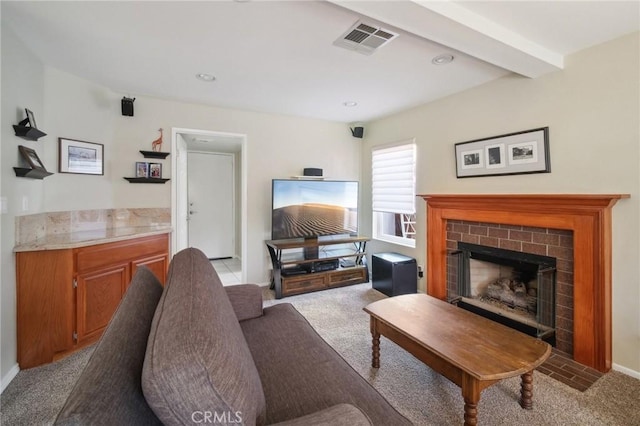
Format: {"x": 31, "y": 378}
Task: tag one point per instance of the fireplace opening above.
{"x": 513, "y": 288}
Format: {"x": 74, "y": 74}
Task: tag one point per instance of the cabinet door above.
{"x": 45, "y": 297}
{"x": 157, "y": 265}
{"x": 98, "y": 295}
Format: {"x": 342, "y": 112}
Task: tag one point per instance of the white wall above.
{"x": 277, "y": 147}
{"x": 592, "y": 109}
{"x": 70, "y": 107}
{"x": 78, "y": 109}
{"x": 22, "y": 87}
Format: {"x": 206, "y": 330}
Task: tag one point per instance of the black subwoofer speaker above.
{"x": 394, "y": 274}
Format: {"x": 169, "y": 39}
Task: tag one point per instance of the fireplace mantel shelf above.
{"x": 527, "y": 200}
{"x": 587, "y": 215}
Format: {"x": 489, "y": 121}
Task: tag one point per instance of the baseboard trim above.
{"x": 11, "y": 374}
{"x": 627, "y": 371}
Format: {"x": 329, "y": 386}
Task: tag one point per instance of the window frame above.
{"x": 378, "y": 217}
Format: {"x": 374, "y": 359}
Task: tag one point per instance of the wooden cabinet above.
{"x": 301, "y": 266}
{"x": 67, "y": 297}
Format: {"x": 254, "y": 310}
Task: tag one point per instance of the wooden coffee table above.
{"x": 471, "y": 351}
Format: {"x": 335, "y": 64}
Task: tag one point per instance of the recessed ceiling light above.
{"x": 442, "y": 59}
{"x": 205, "y": 77}
{"x": 350, "y": 104}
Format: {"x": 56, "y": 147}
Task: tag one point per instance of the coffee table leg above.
{"x": 470, "y": 413}
{"x": 526, "y": 391}
{"x": 471, "y": 395}
{"x": 375, "y": 344}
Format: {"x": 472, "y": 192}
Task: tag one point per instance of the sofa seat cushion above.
{"x": 108, "y": 391}
{"x": 197, "y": 360}
{"x": 302, "y": 374}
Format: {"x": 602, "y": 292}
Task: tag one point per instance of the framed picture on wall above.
{"x": 85, "y": 158}
{"x": 510, "y": 154}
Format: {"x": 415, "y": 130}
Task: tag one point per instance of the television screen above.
{"x": 313, "y": 208}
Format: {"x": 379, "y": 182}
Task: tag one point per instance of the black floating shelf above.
{"x": 29, "y": 133}
{"x": 146, "y": 180}
{"x": 154, "y": 154}
{"x": 31, "y": 173}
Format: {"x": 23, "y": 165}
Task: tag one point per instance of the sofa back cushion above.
{"x": 198, "y": 363}
{"x": 109, "y": 390}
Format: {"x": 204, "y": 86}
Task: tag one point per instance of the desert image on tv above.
{"x": 313, "y": 219}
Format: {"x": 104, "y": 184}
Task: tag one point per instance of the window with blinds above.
{"x": 393, "y": 170}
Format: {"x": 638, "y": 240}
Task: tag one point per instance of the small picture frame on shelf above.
{"x": 31, "y": 118}
{"x": 31, "y": 157}
{"x": 155, "y": 170}
{"x": 142, "y": 169}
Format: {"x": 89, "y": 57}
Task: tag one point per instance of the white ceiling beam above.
{"x": 453, "y": 26}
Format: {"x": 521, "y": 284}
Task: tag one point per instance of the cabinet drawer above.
{"x": 157, "y": 264}
{"x": 102, "y": 255}
{"x": 348, "y": 276}
{"x": 301, "y": 284}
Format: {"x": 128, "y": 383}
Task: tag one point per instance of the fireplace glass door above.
{"x": 514, "y": 288}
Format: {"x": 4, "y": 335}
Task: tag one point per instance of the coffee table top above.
{"x": 483, "y": 348}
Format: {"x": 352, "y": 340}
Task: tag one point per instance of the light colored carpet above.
{"x": 426, "y": 398}
{"x": 35, "y": 396}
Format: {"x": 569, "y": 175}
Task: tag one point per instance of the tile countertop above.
{"x": 89, "y": 238}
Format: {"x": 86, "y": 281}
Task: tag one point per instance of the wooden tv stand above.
{"x": 305, "y": 265}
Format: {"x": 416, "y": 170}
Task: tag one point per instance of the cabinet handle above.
{"x": 75, "y": 283}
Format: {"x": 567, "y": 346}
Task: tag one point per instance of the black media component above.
{"x": 394, "y": 274}
{"x": 357, "y": 132}
{"x": 311, "y": 171}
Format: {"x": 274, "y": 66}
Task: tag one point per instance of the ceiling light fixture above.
{"x": 442, "y": 59}
{"x": 205, "y": 77}
{"x": 350, "y": 104}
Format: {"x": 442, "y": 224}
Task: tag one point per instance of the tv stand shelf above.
{"x": 305, "y": 265}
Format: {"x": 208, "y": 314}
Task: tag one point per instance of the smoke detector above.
{"x": 365, "y": 38}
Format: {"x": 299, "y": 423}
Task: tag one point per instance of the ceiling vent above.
{"x": 364, "y": 38}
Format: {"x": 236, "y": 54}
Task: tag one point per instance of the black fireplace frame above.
{"x": 535, "y": 263}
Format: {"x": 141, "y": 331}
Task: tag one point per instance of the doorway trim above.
{"x": 178, "y": 183}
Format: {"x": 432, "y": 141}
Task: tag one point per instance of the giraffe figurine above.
{"x": 157, "y": 144}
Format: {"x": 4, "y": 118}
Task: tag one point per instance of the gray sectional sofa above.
{"x": 196, "y": 352}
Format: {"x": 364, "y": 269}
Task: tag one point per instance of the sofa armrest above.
{"x": 337, "y": 415}
{"x": 246, "y": 300}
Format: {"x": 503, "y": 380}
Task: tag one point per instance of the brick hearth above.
{"x": 587, "y": 216}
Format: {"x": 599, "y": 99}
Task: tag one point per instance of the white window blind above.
{"x": 393, "y": 179}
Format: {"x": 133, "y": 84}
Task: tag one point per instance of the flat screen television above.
{"x": 313, "y": 208}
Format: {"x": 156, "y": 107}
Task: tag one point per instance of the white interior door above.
{"x": 211, "y": 198}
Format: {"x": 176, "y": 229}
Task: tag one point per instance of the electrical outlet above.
{"x": 25, "y": 203}
{"x": 420, "y": 272}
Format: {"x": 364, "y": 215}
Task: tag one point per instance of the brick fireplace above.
{"x": 514, "y": 218}
{"x": 556, "y": 243}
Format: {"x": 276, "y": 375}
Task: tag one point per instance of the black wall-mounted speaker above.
{"x": 357, "y": 132}
{"x": 127, "y": 106}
